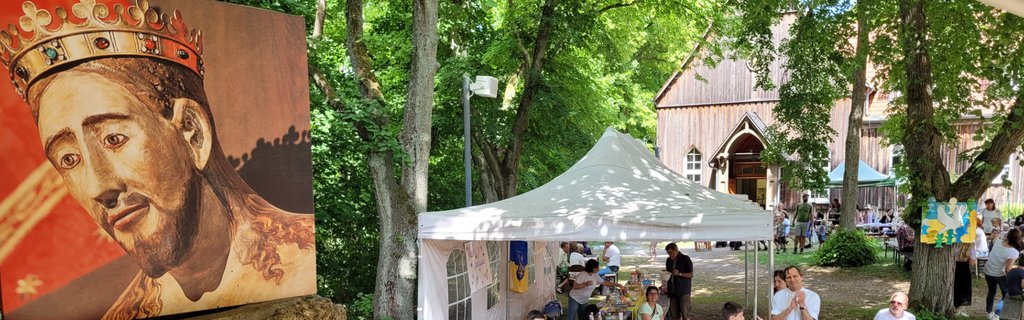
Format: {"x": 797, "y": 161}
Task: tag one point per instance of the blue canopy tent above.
{"x": 866, "y": 177}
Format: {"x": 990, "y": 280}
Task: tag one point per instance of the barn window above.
{"x": 1004, "y": 174}
{"x": 895, "y": 158}
{"x": 459, "y": 301}
{"x": 693, "y": 166}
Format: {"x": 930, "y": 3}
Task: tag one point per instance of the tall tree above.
{"x": 923, "y": 140}
{"x": 399, "y": 199}
{"x": 853, "y": 132}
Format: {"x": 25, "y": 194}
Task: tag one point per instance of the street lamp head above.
{"x": 485, "y": 86}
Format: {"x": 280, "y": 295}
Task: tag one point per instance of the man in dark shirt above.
{"x": 679, "y": 284}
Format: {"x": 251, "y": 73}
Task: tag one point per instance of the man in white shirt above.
{"x": 795, "y": 302}
{"x": 612, "y": 258}
{"x": 897, "y": 309}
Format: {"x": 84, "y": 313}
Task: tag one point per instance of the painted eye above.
{"x": 114, "y": 140}
{"x": 69, "y": 161}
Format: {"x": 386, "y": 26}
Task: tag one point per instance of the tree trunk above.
{"x": 501, "y": 174}
{"x": 398, "y": 203}
{"x": 931, "y": 280}
{"x": 415, "y": 137}
{"x": 859, "y": 96}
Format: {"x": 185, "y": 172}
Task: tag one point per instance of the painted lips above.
{"x": 124, "y": 218}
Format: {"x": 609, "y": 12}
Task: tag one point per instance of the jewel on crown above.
{"x": 45, "y": 40}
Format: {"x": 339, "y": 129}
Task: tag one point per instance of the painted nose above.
{"x": 108, "y": 199}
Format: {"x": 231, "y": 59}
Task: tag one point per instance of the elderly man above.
{"x": 124, "y": 119}
{"x": 897, "y": 309}
{"x": 795, "y": 302}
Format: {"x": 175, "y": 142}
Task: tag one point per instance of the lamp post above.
{"x": 484, "y": 86}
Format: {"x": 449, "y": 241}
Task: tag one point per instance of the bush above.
{"x": 362, "y": 308}
{"x": 847, "y": 248}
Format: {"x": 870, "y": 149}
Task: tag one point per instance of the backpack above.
{"x": 553, "y": 309}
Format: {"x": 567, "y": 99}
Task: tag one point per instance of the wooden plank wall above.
{"x": 729, "y": 81}
{"x": 707, "y": 127}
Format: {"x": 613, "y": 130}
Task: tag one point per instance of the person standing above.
{"x": 803, "y": 220}
{"x": 654, "y": 250}
{"x": 988, "y": 213}
{"x": 836, "y": 209}
{"x": 679, "y": 284}
{"x": 897, "y": 309}
{"x": 1000, "y": 260}
{"x": 612, "y": 258}
{"x": 795, "y": 302}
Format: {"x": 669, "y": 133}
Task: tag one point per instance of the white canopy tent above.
{"x": 618, "y": 192}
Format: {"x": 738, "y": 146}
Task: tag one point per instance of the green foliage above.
{"x": 362, "y": 307}
{"x": 1009, "y": 210}
{"x": 602, "y": 70}
{"x": 925, "y": 314}
{"x": 847, "y": 248}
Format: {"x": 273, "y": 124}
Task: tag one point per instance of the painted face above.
{"x": 794, "y": 280}
{"x": 779, "y": 283}
{"x": 126, "y": 165}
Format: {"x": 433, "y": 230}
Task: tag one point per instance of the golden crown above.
{"x": 46, "y": 41}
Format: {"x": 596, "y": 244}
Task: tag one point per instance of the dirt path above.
{"x": 845, "y": 293}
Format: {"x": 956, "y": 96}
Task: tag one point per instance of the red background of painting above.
{"x": 65, "y": 245}
{"x": 67, "y": 231}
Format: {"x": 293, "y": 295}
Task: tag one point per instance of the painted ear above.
{"x": 194, "y": 126}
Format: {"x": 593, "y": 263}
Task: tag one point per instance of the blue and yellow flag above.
{"x": 518, "y": 257}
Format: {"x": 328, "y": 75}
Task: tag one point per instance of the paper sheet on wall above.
{"x": 479, "y": 268}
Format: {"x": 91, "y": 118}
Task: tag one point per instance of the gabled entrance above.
{"x": 738, "y": 166}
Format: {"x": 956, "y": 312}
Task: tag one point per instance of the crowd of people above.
{"x": 998, "y": 243}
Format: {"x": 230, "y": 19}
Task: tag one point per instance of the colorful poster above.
{"x": 156, "y": 158}
{"x": 479, "y": 266}
{"x": 946, "y": 223}
{"x": 518, "y": 256}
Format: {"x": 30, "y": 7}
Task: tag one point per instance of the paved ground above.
{"x": 845, "y": 293}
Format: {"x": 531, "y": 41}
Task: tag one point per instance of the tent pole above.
{"x": 771, "y": 268}
{"x": 756, "y": 266}
{"x": 746, "y": 275}
{"x": 508, "y": 299}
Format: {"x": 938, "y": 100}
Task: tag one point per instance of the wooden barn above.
{"x": 711, "y": 125}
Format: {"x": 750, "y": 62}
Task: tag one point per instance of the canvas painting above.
{"x": 947, "y": 223}
{"x": 157, "y": 158}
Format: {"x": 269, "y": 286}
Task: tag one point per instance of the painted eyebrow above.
{"x": 99, "y": 118}
{"x": 62, "y": 134}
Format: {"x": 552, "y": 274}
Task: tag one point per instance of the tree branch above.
{"x": 362, "y": 64}
{"x": 617, "y": 5}
{"x": 531, "y": 85}
{"x": 987, "y": 164}
{"x": 318, "y": 24}
{"x": 696, "y": 48}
